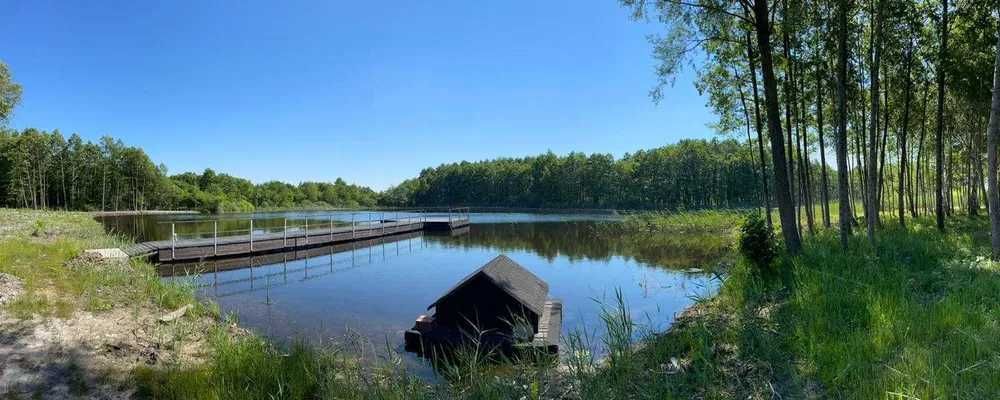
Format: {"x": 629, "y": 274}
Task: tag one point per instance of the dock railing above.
{"x": 459, "y": 214}
{"x": 306, "y": 225}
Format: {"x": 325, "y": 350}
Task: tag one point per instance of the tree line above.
{"x": 899, "y": 89}
{"x": 691, "y": 174}
{"x": 44, "y": 170}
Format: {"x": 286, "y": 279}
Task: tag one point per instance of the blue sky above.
{"x": 368, "y": 91}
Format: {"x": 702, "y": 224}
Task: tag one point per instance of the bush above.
{"x": 757, "y": 243}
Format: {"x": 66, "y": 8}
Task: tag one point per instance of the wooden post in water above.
{"x": 173, "y": 241}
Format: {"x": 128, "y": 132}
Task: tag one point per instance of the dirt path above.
{"x": 90, "y": 355}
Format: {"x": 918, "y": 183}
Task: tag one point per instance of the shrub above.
{"x": 757, "y": 243}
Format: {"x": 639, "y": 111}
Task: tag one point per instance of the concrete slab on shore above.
{"x": 112, "y": 254}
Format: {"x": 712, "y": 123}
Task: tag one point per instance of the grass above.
{"x": 678, "y": 239}
{"x": 248, "y": 367}
{"x": 40, "y": 248}
{"x": 915, "y": 317}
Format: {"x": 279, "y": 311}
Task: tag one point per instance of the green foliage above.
{"x": 43, "y": 170}
{"x": 757, "y": 243}
{"x": 40, "y": 248}
{"x": 248, "y": 367}
{"x": 683, "y": 239}
{"x": 689, "y": 175}
{"x": 913, "y": 318}
{"x": 10, "y": 93}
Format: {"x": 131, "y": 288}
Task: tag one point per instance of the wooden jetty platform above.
{"x": 289, "y": 267}
{"x": 222, "y": 264}
{"x": 253, "y": 242}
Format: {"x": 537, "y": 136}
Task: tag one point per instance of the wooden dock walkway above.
{"x": 268, "y": 242}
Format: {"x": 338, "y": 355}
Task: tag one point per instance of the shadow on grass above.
{"x": 917, "y": 316}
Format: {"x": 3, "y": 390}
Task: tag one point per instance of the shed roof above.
{"x": 513, "y": 279}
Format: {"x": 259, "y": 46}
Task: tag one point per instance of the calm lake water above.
{"x": 374, "y": 291}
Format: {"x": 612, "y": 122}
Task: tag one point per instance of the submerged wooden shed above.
{"x": 501, "y": 303}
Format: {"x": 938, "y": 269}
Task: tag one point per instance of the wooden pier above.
{"x": 253, "y": 242}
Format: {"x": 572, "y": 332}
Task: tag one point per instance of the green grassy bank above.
{"x": 40, "y": 248}
{"x": 915, "y": 317}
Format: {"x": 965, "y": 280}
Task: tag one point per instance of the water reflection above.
{"x": 589, "y": 240}
{"x": 321, "y": 261}
{"x": 143, "y": 228}
{"x": 375, "y": 289}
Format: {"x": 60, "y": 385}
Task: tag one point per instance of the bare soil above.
{"x": 10, "y": 287}
{"x": 92, "y": 355}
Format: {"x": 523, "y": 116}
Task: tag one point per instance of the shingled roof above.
{"x": 514, "y": 279}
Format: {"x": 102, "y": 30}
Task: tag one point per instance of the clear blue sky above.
{"x": 368, "y": 91}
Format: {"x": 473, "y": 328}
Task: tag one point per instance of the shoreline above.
{"x": 142, "y": 212}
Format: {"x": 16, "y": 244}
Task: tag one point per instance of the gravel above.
{"x": 10, "y": 287}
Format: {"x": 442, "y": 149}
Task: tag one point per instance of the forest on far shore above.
{"x": 45, "y": 170}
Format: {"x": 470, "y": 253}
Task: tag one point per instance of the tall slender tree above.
{"x": 843, "y": 172}
{"x": 786, "y": 206}
{"x": 939, "y": 135}
{"x": 904, "y": 132}
{"x": 992, "y": 138}
{"x": 873, "y": 176}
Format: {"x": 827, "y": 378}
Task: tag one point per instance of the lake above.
{"x": 372, "y": 292}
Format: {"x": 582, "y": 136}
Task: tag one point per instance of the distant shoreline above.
{"x": 142, "y": 212}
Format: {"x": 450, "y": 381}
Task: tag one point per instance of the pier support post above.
{"x": 215, "y": 238}
{"x": 173, "y": 241}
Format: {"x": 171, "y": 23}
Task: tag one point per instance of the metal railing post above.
{"x": 215, "y": 237}
{"x": 353, "y": 228}
{"x": 383, "y": 222}
{"x": 331, "y": 227}
{"x": 307, "y": 230}
{"x": 284, "y": 234}
{"x": 251, "y": 236}
{"x": 173, "y": 241}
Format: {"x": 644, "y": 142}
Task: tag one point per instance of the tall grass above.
{"x": 40, "y": 248}
{"x": 915, "y": 317}
{"x": 678, "y": 239}
{"x": 249, "y": 367}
